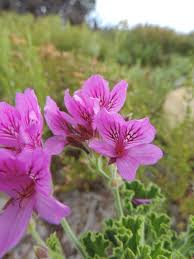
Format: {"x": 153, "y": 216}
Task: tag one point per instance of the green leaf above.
{"x": 126, "y": 232}
{"x": 120, "y": 253}
{"x": 159, "y": 252}
{"x": 185, "y": 242}
{"x": 136, "y": 190}
{"x": 55, "y": 249}
{"x": 144, "y": 252}
{"x": 177, "y": 254}
{"x": 145, "y": 234}
{"x": 158, "y": 227}
{"x": 95, "y": 244}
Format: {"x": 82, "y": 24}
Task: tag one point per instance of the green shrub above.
{"x": 144, "y": 231}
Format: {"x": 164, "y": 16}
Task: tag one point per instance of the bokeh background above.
{"x": 52, "y": 45}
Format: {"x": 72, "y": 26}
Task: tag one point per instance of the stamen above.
{"x": 132, "y": 134}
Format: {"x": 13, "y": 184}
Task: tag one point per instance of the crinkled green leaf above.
{"x": 158, "y": 227}
{"x": 55, "y": 249}
{"x": 121, "y": 253}
{"x": 145, "y": 233}
{"x": 136, "y": 190}
{"x": 95, "y": 244}
{"x": 185, "y": 242}
{"x": 159, "y": 252}
{"x": 126, "y": 232}
{"x": 144, "y": 252}
{"x": 178, "y": 255}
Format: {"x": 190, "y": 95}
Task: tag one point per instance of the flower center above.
{"x": 119, "y": 149}
{"x": 24, "y": 193}
{"x": 132, "y": 134}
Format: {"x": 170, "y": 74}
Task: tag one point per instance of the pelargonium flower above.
{"x": 75, "y": 127}
{"x": 26, "y": 179}
{"x": 126, "y": 143}
{"x": 97, "y": 87}
{"x": 21, "y": 126}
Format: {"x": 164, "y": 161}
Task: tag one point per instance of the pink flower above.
{"x": 127, "y": 143}
{"x": 75, "y": 127}
{"x": 27, "y": 180}
{"x": 21, "y": 126}
{"x": 96, "y": 87}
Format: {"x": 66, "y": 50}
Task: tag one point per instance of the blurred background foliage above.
{"x": 49, "y": 56}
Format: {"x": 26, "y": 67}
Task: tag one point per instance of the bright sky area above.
{"x": 176, "y": 14}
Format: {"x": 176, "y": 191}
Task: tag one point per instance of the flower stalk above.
{"x": 101, "y": 169}
{"x": 32, "y": 230}
{"x": 72, "y": 237}
{"x": 118, "y": 203}
{"x": 116, "y": 182}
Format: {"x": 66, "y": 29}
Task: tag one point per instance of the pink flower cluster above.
{"x": 91, "y": 121}
{"x": 24, "y": 170}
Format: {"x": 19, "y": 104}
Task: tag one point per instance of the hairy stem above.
{"x": 71, "y": 235}
{"x": 35, "y": 234}
{"x": 115, "y": 184}
{"x": 101, "y": 170}
{"x": 118, "y": 203}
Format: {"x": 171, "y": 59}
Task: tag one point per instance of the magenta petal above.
{"x": 74, "y": 107}
{"x": 11, "y": 183}
{"x": 82, "y": 109}
{"x": 50, "y": 209}
{"x": 9, "y": 125}
{"x": 30, "y": 137}
{"x": 57, "y": 121}
{"x": 12, "y": 173}
{"x": 97, "y": 87}
{"x": 13, "y": 223}
{"x": 109, "y": 126}
{"x": 137, "y": 132}
{"x": 36, "y": 159}
{"x": 127, "y": 167}
{"x": 27, "y": 105}
{"x": 117, "y": 97}
{"x": 71, "y": 105}
{"x": 54, "y": 145}
{"x": 37, "y": 163}
{"x": 102, "y": 148}
{"x": 147, "y": 154}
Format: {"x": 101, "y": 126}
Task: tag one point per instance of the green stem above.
{"x": 115, "y": 185}
{"x": 101, "y": 170}
{"x": 35, "y": 234}
{"x": 118, "y": 204}
{"x": 71, "y": 235}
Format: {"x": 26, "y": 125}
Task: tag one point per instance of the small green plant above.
{"x": 145, "y": 231}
